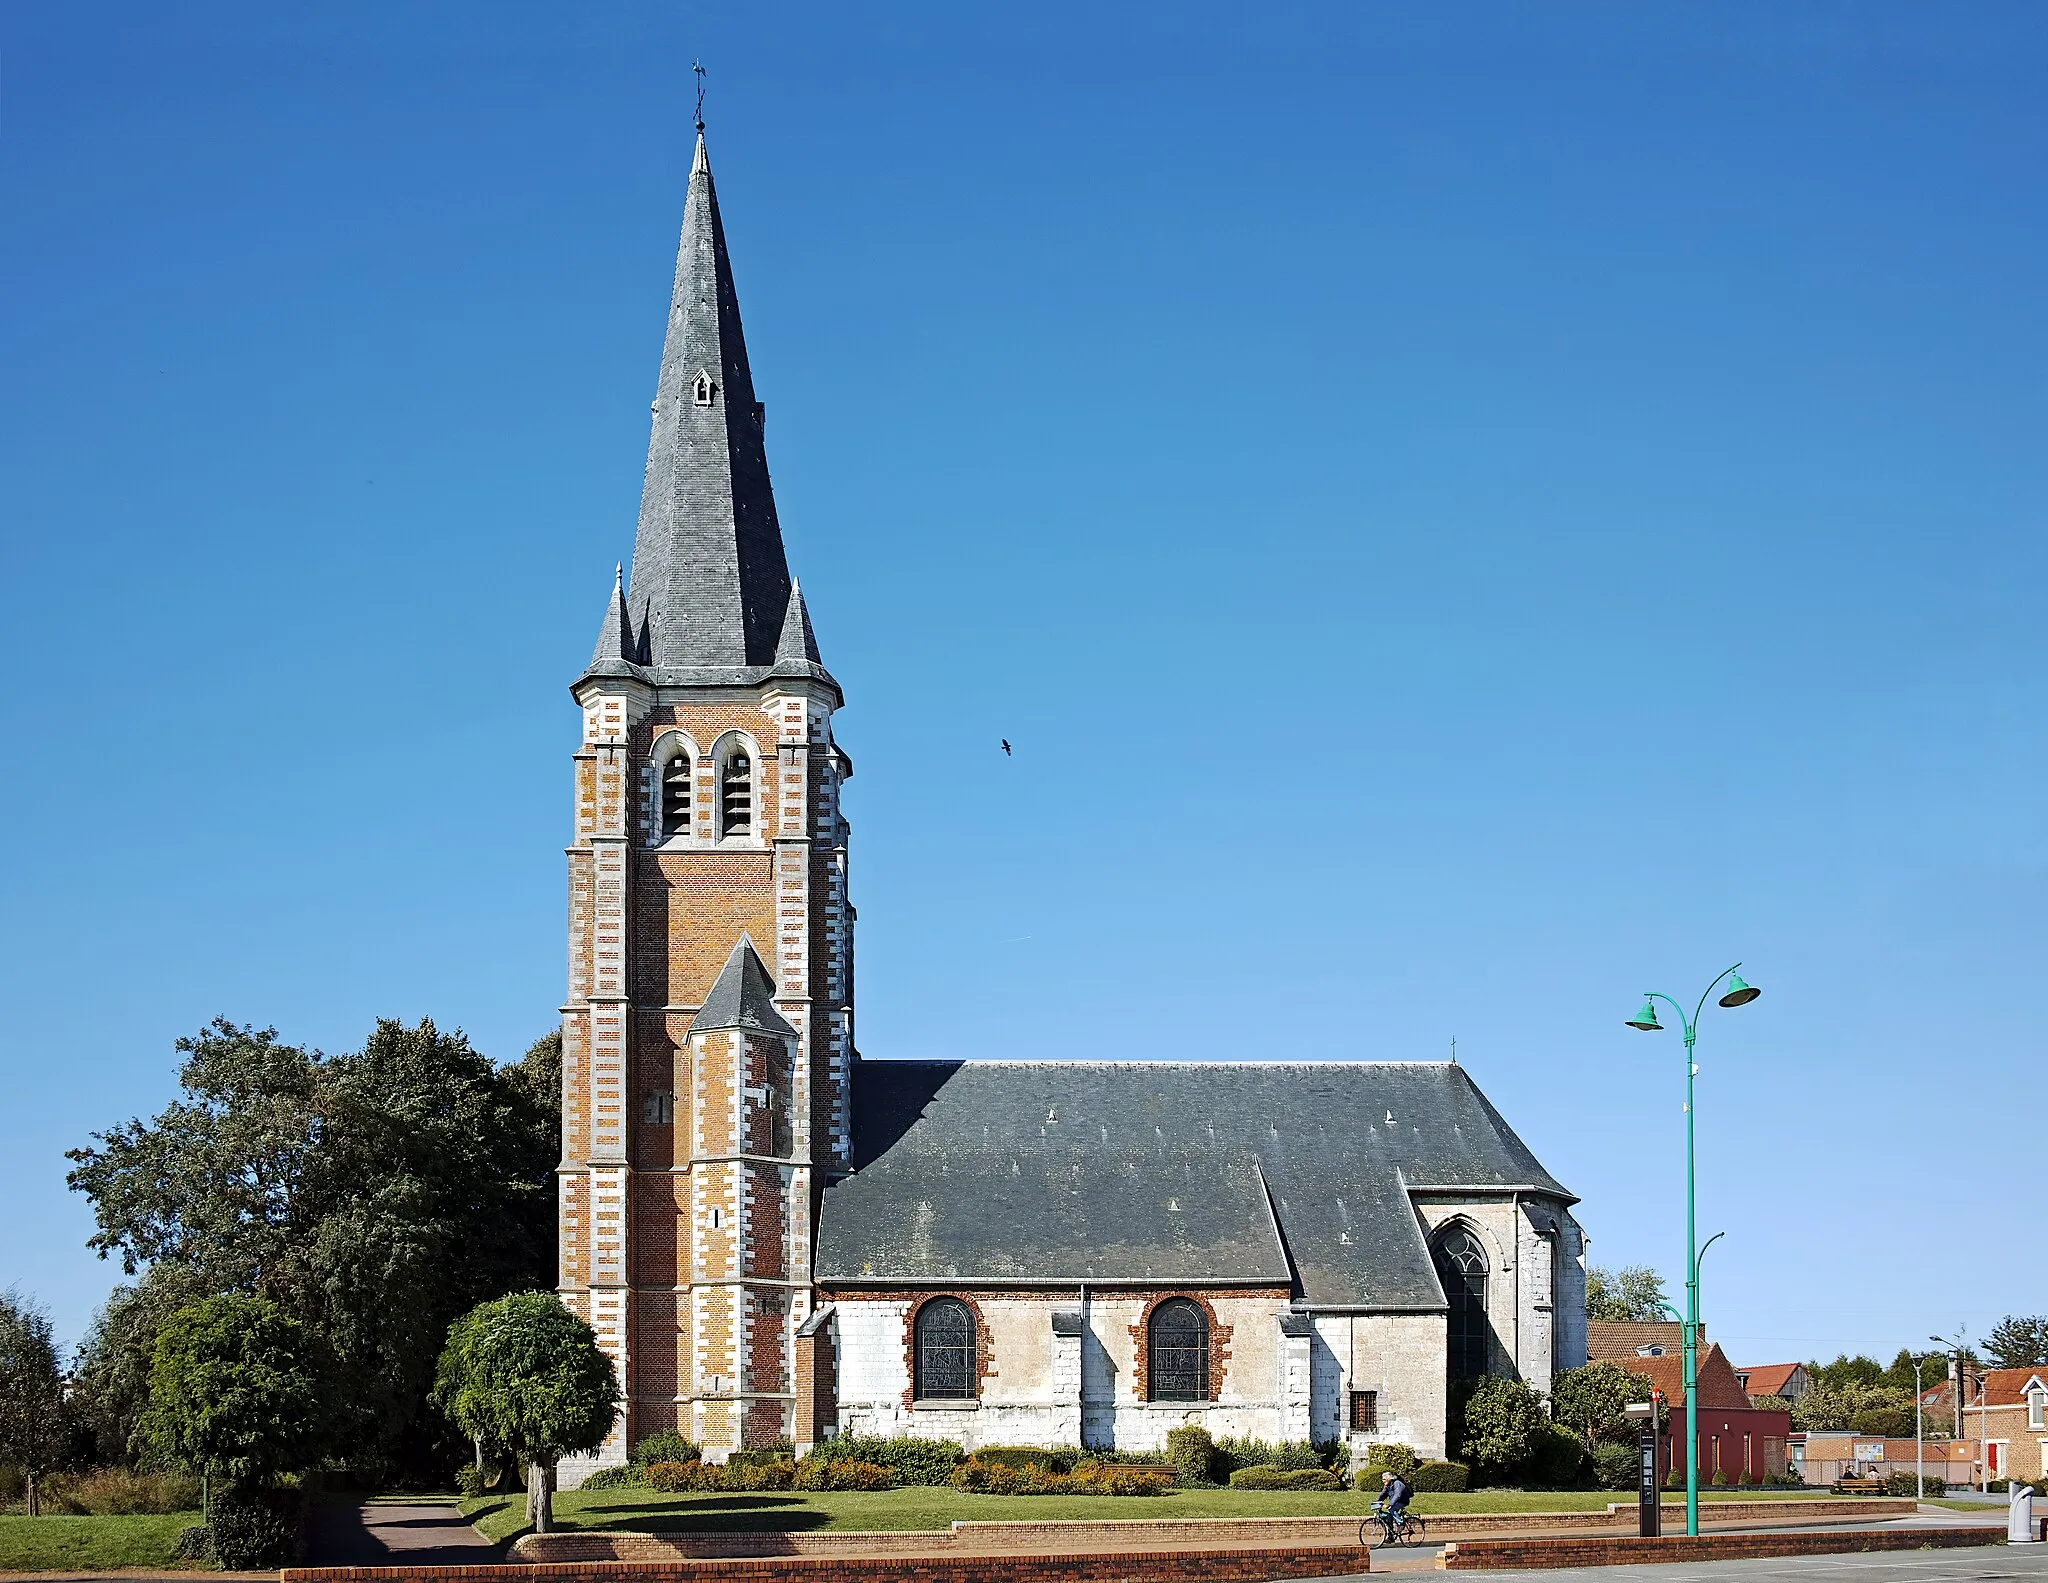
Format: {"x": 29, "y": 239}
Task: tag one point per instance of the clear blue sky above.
{"x": 1466, "y": 513}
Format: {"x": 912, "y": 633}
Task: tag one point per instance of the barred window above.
{"x": 1365, "y": 1410}
{"x": 945, "y": 1351}
{"x": 1177, "y": 1353}
{"x": 737, "y": 793}
{"x": 678, "y": 794}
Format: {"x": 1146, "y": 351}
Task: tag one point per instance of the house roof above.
{"x": 1718, "y": 1386}
{"x": 1295, "y": 1174}
{"x": 1618, "y": 1340}
{"x": 2005, "y": 1387}
{"x": 1769, "y": 1379}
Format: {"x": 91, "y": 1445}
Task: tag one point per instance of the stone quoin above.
{"x": 775, "y": 1238}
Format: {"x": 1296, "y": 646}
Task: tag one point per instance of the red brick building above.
{"x": 1734, "y": 1437}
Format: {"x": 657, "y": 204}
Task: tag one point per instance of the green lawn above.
{"x": 645, "y": 1511}
{"x": 78, "y": 1544}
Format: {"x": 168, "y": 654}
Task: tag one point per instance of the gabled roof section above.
{"x": 743, "y": 997}
{"x": 1718, "y": 1386}
{"x": 710, "y": 581}
{"x": 1770, "y": 1379}
{"x": 1270, "y": 1174}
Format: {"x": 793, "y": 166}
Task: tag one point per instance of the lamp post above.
{"x": 1955, "y": 1373}
{"x": 1919, "y": 1452}
{"x": 1739, "y": 994}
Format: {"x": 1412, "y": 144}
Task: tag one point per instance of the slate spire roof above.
{"x": 743, "y": 997}
{"x": 616, "y": 646}
{"x": 710, "y": 589}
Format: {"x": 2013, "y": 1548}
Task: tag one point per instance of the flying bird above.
{"x": 1006, "y": 748}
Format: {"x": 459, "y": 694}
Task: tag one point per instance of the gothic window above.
{"x": 736, "y": 794}
{"x": 1461, "y": 1266}
{"x": 945, "y": 1351}
{"x": 1177, "y": 1353}
{"x": 700, "y": 389}
{"x": 678, "y": 793}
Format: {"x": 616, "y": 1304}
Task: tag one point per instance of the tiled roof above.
{"x": 1270, "y": 1173}
{"x": 1717, "y": 1383}
{"x": 1769, "y": 1379}
{"x": 1617, "y": 1341}
{"x": 2005, "y": 1387}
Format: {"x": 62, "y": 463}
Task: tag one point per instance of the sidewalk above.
{"x": 421, "y": 1532}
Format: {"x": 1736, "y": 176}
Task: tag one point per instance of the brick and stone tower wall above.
{"x": 707, "y": 1036}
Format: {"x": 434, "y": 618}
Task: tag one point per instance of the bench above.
{"x": 1858, "y": 1486}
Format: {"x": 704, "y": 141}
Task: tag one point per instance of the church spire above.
{"x": 710, "y": 582}
{"x": 615, "y": 646}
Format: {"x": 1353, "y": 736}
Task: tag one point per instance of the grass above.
{"x": 90, "y": 1544}
{"x": 646, "y": 1511}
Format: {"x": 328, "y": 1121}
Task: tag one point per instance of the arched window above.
{"x": 678, "y": 793}
{"x": 1461, "y": 1266}
{"x": 700, "y": 389}
{"x": 945, "y": 1351}
{"x": 736, "y": 794}
{"x": 1177, "y": 1353}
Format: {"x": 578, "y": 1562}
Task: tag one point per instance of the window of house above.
{"x": 678, "y": 794}
{"x": 2035, "y": 1402}
{"x": 736, "y": 793}
{"x": 945, "y": 1352}
{"x": 1177, "y": 1353}
{"x": 1461, "y": 1266}
{"x": 1365, "y": 1410}
{"x": 659, "y": 1108}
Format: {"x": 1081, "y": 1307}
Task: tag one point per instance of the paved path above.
{"x": 377, "y": 1533}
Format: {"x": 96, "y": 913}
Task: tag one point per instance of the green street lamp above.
{"x": 1738, "y": 994}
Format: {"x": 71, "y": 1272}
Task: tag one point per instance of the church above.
{"x": 776, "y": 1238}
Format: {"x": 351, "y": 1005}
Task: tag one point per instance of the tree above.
{"x": 373, "y": 1196}
{"x": 35, "y": 1432}
{"x": 1502, "y": 1426}
{"x": 1635, "y": 1292}
{"x": 524, "y": 1376}
{"x": 1590, "y": 1401}
{"x": 110, "y": 1380}
{"x": 236, "y": 1390}
{"x": 2019, "y": 1341}
{"x": 1840, "y": 1405}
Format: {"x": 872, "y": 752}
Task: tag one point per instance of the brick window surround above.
{"x": 984, "y": 1348}
{"x": 1141, "y": 1337}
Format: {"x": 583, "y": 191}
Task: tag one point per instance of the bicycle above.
{"x": 1406, "y": 1530}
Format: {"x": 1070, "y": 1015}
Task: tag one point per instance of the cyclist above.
{"x": 1395, "y": 1493}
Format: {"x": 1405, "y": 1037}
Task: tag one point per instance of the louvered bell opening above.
{"x": 739, "y": 795}
{"x": 678, "y": 795}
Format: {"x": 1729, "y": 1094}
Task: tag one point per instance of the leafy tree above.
{"x": 1501, "y": 1427}
{"x": 236, "y": 1390}
{"x": 523, "y": 1375}
{"x": 2019, "y": 1341}
{"x": 1933, "y": 1369}
{"x": 1847, "y": 1371}
{"x": 1633, "y": 1292}
{"x": 110, "y": 1380}
{"x": 373, "y": 1196}
{"x": 35, "y": 1434}
{"x": 1590, "y": 1401}
{"x": 1838, "y": 1406}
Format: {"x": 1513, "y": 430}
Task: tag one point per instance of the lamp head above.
{"x": 1646, "y": 1019}
{"x": 1739, "y": 993}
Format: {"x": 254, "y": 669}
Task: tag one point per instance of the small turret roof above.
{"x": 743, "y": 997}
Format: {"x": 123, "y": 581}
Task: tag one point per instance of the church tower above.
{"x": 707, "y": 1038}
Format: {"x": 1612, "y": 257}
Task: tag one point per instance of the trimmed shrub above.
{"x": 681, "y": 1478}
{"x": 813, "y": 1475}
{"x": 1002, "y": 1478}
{"x": 909, "y": 1459}
{"x": 627, "y": 1476}
{"x": 1901, "y": 1483}
{"x": 1192, "y": 1453}
{"x": 1126, "y": 1459}
{"x": 762, "y": 1456}
{"x": 1720, "y": 1476}
{"x": 256, "y": 1529}
{"x": 1095, "y": 1477}
{"x": 1233, "y": 1452}
{"x": 667, "y": 1446}
{"x": 1026, "y": 1457}
{"x": 1616, "y": 1467}
{"x": 1442, "y": 1478}
{"x": 1272, "y": 1478}
{"x": 1558, "y": 1460}
{"x": 1393, "y": 1457}
{"x": 195, "y": 1544}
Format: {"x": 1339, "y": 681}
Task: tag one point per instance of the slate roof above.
{"x": 743, "y": 997}
{"x": 710, "y": 592}
{"x": 1285, "y": 1174}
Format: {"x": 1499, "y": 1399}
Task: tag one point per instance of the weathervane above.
{"x": 697, "y": 66}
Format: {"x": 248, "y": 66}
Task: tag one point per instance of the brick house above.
{"x": 2007, "y": 1411}
{"x": 774, "y": 1237}
{"x": 1734, "y": 1437}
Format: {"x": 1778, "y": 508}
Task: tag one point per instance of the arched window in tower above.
{"x": 678, "y": 793}
{"x": 736, "y": 794}
{"x": 1461, "y": 1266}
{"x": 1177, "y": 1353}
{"x": 945, "y": 1352}
{"x": 700, "y": 389}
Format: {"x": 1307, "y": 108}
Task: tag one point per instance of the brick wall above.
{"x": 1488, "y": 1555}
